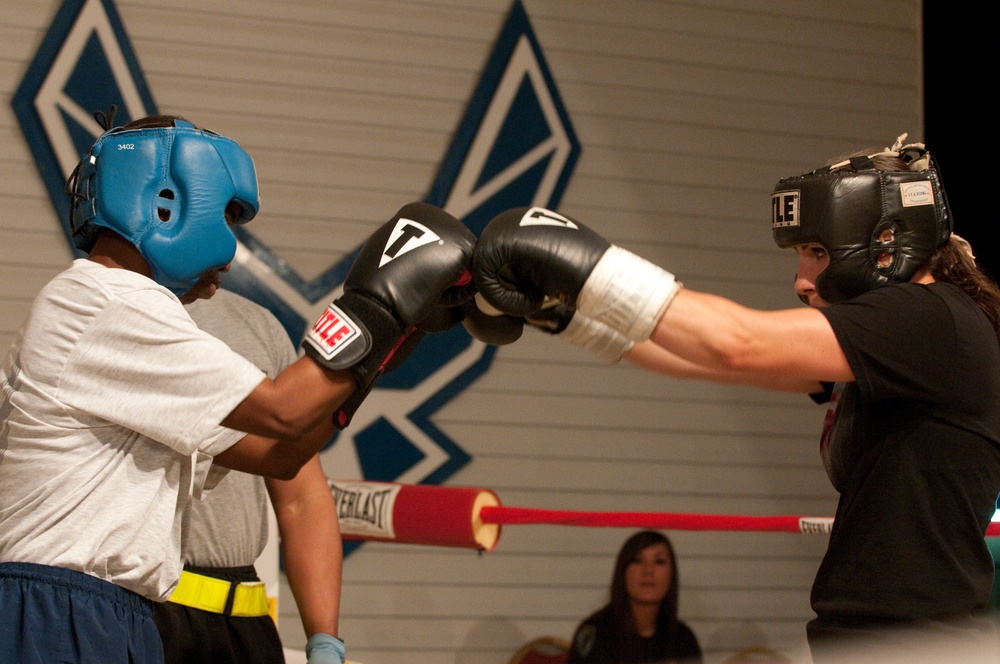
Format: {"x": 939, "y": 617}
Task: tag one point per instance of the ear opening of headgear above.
{"x": 165, "y": 189}
{"x": 878, "y": 224}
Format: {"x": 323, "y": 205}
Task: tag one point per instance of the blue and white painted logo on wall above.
{"x": 514, "y": 147}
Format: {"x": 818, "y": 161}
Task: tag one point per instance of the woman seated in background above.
{"x": 639, "y": 623}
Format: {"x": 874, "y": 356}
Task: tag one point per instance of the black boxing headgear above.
{"x": 863, "y": 214}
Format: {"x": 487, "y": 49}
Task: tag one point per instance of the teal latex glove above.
{"x": 325, "y": 649}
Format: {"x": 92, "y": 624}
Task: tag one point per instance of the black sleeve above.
{"x": 687, "y": 650}
{"x": 883, "y": 330}
{"x": 591, "y": 645}
{"x": 823, "y": 396}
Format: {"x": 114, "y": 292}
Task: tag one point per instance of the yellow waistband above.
{"x": 249, "y": 599}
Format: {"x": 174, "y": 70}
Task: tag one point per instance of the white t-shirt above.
{"x": 111, "y": 406}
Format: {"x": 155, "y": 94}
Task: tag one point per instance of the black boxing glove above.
{"x": 489, "y": 325}
{"x": 416, "y": 262}
{"x": 441, "y": 319}
{"x": 526, "y": 255}
{"x": 492, "y": 326}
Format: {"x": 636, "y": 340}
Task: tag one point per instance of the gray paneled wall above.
{"x": 688, "y": 112}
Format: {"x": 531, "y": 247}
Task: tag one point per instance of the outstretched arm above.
{"x": 528, "y": 257}
{"x": 293, "y": 404}
{"x": 279, "y": 458}
{"x": 651, "y": 357}
{"x": 770, "y": 348}
{"x": 413, "y": 263}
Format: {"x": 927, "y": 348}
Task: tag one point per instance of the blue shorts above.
{"x": 51, "y": 614}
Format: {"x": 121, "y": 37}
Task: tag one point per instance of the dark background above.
{"x": 959, "y": 130}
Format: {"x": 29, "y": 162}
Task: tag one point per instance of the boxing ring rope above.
{"x": 471, "y": 517}
{"x": 663, "y": 520}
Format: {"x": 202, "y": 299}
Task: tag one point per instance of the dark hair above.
{"x": 151, "y": 121}
{"x": 620, "y": 608}
{"x": 951, "y": 264}
{"x": 106, "y": 120}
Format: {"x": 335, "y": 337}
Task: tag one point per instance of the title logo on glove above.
{"x": 332, "y": 332}
{"x": 406, "y": 236}
{"x": 538, "y": 216}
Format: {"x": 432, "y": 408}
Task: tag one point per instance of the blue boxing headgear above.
{"x": 863, "y": 214}
{"x": 165, "y": 190}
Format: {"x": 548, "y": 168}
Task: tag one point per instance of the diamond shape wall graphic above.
{"x": 515, "y": 146}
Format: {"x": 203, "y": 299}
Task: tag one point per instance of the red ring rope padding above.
{"x": 788, "y": 524}
{"x": 414, "y": 513}
{"x": 472, "y": 517}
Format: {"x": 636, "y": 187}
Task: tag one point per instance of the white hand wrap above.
{"x": 607, "y": 344}
{"x": 627, "y": 293}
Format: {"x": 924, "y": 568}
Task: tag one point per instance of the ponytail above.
{"x": 955, "y": 264}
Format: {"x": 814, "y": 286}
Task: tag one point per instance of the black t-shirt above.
{"x": 915, "y": 456}
{"x": 596, "y": 642}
